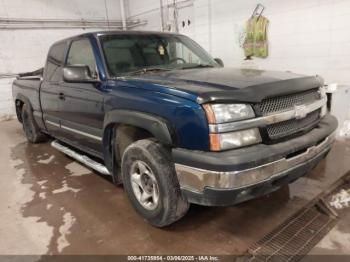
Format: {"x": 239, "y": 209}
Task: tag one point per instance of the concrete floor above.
{"x": 337, "y": 241}
{"x": 51, "y": 204}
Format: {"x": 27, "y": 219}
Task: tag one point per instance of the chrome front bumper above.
{"x": 196, "y": 180}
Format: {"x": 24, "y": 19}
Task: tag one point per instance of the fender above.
{"x": 25, "y": 100}
{"x": 37, "y": 114}
{"x": 157, "y": 126}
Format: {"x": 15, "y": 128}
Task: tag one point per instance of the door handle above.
{"x": 61, "y": 96}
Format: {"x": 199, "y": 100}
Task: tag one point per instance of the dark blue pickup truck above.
{"x": 160, "y": 115}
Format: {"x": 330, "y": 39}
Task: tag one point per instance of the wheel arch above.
{"x": 159, "y": 127}
{"x": 141, "y": 125}
{"x": 19, "y": 102}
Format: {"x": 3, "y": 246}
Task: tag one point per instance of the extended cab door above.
{"x": 81, "y": 104}
{"x": 50, "y": 88}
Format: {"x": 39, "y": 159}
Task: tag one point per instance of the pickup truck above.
{"x": 172, "y": 124}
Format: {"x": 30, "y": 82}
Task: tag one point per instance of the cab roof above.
{"x": 115, "y": 32}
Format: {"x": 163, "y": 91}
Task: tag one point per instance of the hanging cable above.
{"x": 122, "y": 10}
{"x": 176, "y": 14}
{"x": 106, "y": 8}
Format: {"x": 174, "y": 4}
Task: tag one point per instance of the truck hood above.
{"x": 229, "y": 84}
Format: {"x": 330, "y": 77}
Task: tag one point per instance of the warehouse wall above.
{"x": 26, "y": 50}
{"x": 305, "y": 36}
{"x": 146, "y": 10}
{"x": 309, "y": 37}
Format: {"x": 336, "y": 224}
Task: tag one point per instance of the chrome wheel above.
{"x": 144, "y": 185}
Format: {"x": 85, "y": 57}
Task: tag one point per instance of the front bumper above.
{"x": 231, "y": 177}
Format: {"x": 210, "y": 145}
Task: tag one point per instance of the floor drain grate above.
{"x": 295, "y": 237}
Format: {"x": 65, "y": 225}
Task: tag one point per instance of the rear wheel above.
{"x": 30, "y": 127}
{"x": 151, "y": 184}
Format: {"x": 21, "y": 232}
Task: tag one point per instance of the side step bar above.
{"x": 87, "y": 161}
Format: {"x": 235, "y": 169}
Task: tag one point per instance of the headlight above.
{"x": 225, "y": 141}
{"x": 222, "y": 113}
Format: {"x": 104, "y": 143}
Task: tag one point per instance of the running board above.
{"x": 87, "y": 161}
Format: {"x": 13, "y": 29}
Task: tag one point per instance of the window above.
{"x": 180, "y": 53}
{"x": 53, "y": 70}
{"x": 131, "y": 53}
{"x": 80, "y": 53}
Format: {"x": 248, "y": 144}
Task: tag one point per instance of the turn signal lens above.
{"x": 226, "y": 141}
{"x": 214, "y": 142}
{"x": 209, "y": 113}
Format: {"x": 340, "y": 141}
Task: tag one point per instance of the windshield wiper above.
{"x": 146, "y": 70}
{"x": 198, "y": 66}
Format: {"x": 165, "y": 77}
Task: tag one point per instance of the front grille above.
{"x": 290, "y": 127}
{"x": 288, "y": 102}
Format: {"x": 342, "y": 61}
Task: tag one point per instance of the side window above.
{"x": 53, "y": 70}
{"x": 80, "y": 53}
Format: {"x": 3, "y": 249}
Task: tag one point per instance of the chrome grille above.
{"x": 292, "y": 126}
{"x": 288, "y": 102}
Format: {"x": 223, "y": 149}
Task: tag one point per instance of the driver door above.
{"x": 81, "y": 104}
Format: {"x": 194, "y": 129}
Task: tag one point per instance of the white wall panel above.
{"x": 305, "y": 36}
{"x": 26, "y": 50}
{"x": 148, "y": 10}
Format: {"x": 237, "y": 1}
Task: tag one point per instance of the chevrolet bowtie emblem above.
{"x": 300, "y": 111}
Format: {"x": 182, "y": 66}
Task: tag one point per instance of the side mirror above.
{"x": 78, "y": 74}
{"x": 219, "y": 61}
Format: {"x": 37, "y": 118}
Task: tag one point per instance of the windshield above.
{"x": 126, "y": 54}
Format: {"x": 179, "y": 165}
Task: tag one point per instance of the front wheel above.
{"x": 151, "y": 184}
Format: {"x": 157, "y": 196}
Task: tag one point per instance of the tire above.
{"x": 158, "y": 177}
{"x": 30, "y": 127}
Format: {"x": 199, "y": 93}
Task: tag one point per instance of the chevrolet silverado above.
{"x": 172, "y": 124}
